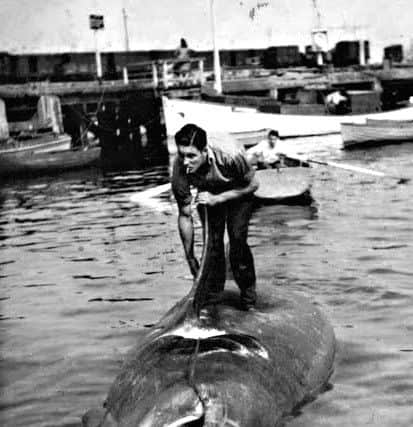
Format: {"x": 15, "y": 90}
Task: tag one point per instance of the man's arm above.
{"x": 209, "y": 199}
{"x": 186, "y": 231}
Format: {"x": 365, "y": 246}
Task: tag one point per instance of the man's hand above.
{"x": 209, "y": 199}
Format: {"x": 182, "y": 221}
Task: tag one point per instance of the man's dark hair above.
{"x": 273, "y": 132}
{"x": 193, "y": 135}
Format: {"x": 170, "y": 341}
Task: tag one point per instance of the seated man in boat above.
{"x": 225, "y": 182}
{"x": 265, "y": 154}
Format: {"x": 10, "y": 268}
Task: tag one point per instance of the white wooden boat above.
{"x": 214, "y": 117}
{"x": 404, "y": 124}
{"x": 242, "y": 139}
{"x": 376, "y": 132}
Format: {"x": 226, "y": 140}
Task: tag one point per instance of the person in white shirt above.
{"x": 338, "y": 102}
{"x": 182, "y": 65}
{"x": 265, "y": 154}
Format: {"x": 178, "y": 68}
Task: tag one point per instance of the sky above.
{"x": 50, "y": 26}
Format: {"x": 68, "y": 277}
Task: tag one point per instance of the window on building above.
{"x": 32, "y": 64}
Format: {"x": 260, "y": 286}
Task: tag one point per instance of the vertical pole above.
{"x": 318, "y": 24}
{"x": 83, "y": 128}
{"x": 4, "y": 125}
{"x": 217, "y": 65}
{"x": 362, "y": 53}
{"x": 125, "y": 75}
{"x": 125, "y": 26}
{"x": 97, "y": 56}
{"x": 155, "y": 79}
{"x": 201, "y": 72}
{"x": 165, "y": 74}
{"x": 126, "y": 34}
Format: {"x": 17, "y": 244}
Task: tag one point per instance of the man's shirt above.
{"x": 226, "y": 169}
{"x": 264, "y": 152}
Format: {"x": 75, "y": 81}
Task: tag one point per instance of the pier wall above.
{"x": 124, "y": 119}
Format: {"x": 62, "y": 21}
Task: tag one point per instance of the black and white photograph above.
{"x": 206, "y": 213}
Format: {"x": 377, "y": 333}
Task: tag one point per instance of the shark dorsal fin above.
{"x": 200, "y": 287}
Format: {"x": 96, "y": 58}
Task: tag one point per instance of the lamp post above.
{"x": 96, "y": 23}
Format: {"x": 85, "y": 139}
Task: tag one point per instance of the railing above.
{"x": 169, "y": 73}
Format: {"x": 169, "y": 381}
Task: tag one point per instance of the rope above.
{"x": 200, "y": 281}
{"x": 199, "y": 298}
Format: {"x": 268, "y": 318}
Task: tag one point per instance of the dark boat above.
{"x": 34, "y": 163}
{"x": 36, "y": 143}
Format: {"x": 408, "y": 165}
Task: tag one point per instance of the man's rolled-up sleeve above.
{"x": 242, "y": 169}
{"x": 180, "y": 185}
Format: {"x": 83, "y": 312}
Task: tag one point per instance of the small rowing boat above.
{"x": 288, "y": 185}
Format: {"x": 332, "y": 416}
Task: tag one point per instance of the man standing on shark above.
{"x": 225, "y": 182}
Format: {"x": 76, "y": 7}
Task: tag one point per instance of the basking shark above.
{"x": 219, "y": 366}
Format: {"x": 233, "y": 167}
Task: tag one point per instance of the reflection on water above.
{"x": 84, "y": 273}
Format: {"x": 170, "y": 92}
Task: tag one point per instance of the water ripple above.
{"x": 85, "y": 272}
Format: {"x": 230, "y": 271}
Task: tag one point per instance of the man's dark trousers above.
{"x": 236, "y": 215}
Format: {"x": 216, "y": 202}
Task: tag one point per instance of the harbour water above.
{"x": 85, "y": 272}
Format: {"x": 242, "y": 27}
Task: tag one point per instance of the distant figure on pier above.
{"x": 265, "y": 154}
{"x": 182, "y": 53}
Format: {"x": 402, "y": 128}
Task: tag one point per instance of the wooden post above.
{"x": 362, "y": 52}
{"x": 49, "y": 113}
{"x": 165, "y": 74}
{"x": 201, "y": 71}
{"x": 4, "y": 126}
{"x": 83, "y": 130}
{"x": 125, "y": 75}
{"x": 155, "y": 79}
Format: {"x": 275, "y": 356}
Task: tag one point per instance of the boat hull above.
{"x": 214, "y": 117}
{"x": 28, "y": 163}
{"x": 374, "y": 132}
{"x": 284, "y": 186}
{"x": 287, "y": 185}
{"x": 40, "y": 144}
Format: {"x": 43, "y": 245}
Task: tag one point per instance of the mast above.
{"x": 317, "y": 33}
{"x": 317, "y": 12}
{"x": 125, "y": 26}
{"x": 126, "y": 34}
{"x": 217, "y": 65}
